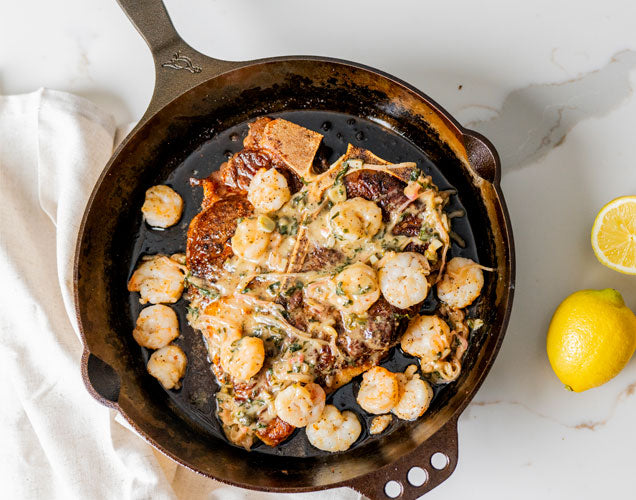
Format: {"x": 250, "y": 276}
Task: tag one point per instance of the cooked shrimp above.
{"x": 355, "y": 218}
{"x": 168, "y": 366}
{"x": 379, "y": 424}
{"x": 162, "y": 206}
{"x": 415, "y": 396}
{"x": 334, "y": 431}
{"x": 300, "y": 405}
{"x": 462, "y": 282}
{"x": 428, "y": 338}
{"x": 156, "y": 327}
{"x": 402, "y": 278}
{"x": 268, "y": 190}
{"x": 244, "y": 358}
{"x": 158, "y": 279}
{"x": 356, "y": 288}
{"x": 379, "y": 390}
{"x": 249, "y": 241}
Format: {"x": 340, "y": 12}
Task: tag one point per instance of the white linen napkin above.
{"x": 56, "y": 441}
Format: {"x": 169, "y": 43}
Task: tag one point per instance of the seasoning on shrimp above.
{"x": 379, "y": 424}
{"x": 462, "y": 282}
{"x": 156, "y": 327}
{"x": 158, "y": 279}
{"x": 379, "y": 391}
{"x": 162, "y": 206}
{"x": 168, "y": 365}
{"x": 334, "y": 431}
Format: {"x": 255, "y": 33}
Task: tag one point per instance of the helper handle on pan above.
{"x": 100, "y": 379}
{"x": 443, "y": 442}
{"x": 178, "y": 67}
{"x": 482, "y": 156}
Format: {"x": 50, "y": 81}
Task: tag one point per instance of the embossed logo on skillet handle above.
{"x": 178, "y": 67}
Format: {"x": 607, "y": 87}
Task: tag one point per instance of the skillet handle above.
{"x": 442, "y": 446}
{"x": 100, "y": 379}
{"x": 178, "y": 67}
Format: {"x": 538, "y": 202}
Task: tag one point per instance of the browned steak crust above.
{"x": 388, "y": 192}
{"x": 380, "y": 187}
{"x": 276, "y": 432}
{"x": 209, "y": 235}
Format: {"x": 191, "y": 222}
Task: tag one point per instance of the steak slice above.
{"x": 209, "y": 235}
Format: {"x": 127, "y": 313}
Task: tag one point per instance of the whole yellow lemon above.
{"x": 591, "y": 338}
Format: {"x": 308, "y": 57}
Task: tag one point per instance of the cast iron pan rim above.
{"x": 453, "y": 125}
{"x": 452, "y": 420}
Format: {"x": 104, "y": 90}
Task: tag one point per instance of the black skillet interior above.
{"x": 194, "y": 132}
{"x": 195, "y": 401}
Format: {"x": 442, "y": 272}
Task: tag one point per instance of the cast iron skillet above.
{"x": 200, "y": 106}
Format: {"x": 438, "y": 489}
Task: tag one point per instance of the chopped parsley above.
{"x": 273, "y": 288}
{"x": 400, "y": 316}
{"x": 295, "y": 347}
{"x": 193, "y": 311}
{"x": 212, "y": 294}
{"x": 339, "y": 290}
{"x": 340, "y": 268}
{"x": 287, "y": 225}
{"x": 362, "y": 291}
{"x": 342, "y": 173}
{"x": 296, "y": 286}
{"x": 299, "y": 198}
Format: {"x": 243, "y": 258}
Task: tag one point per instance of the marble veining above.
{"x": 537, "y": 118}
{"x": 550, "y": 83}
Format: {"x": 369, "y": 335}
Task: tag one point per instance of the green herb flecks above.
{"x": 294, "y": 347}
{"x": 342, "y": 173}
{"x": 193, "y": 312}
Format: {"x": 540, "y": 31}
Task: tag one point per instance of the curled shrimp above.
{"x": 168, "y": 365}
{"x": 334, "y": 431}
{"x": 461, "y": 283}
{"x": 243, "y": 358}
{"x": 356, "y": 289}
{"x": 249, "y": 241}
{"x": 300, "y": 405}
{"x": 158, "y": 279}
{"x": 162, "y": 206}
{"x": 268, "y": 190}
{"x": 415, "y": 400}
{"x": 402, "y": 278}
{"x": 415, "y": 395}
{"x": 156, "y": 327}
{"x": 428, "y": 338}
{"x": 379, "y": 390}
{"x": 355, "y": 218}
{"x": 379, "y": 424}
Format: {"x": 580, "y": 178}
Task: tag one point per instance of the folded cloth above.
{"x": 57, "y": 442}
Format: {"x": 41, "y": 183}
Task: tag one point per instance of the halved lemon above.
{"x": 614, "y": 235}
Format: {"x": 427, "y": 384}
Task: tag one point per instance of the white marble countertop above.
{"x": 550, "y": 83}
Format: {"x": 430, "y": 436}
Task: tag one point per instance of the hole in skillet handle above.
{"x": 392, "y": 489}
{"x": 482, "y": 156}
{"x": 417, "y": 476}
{"x": 439, "y": 460}
{"x": 101, "y": 380}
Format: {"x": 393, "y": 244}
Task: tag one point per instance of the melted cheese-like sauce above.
{"x": 242, "y": 299}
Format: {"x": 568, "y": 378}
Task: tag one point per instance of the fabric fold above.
{"x": 57, "y": 442}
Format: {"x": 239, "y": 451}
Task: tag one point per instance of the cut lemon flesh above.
{"x": 614, "y": 235}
